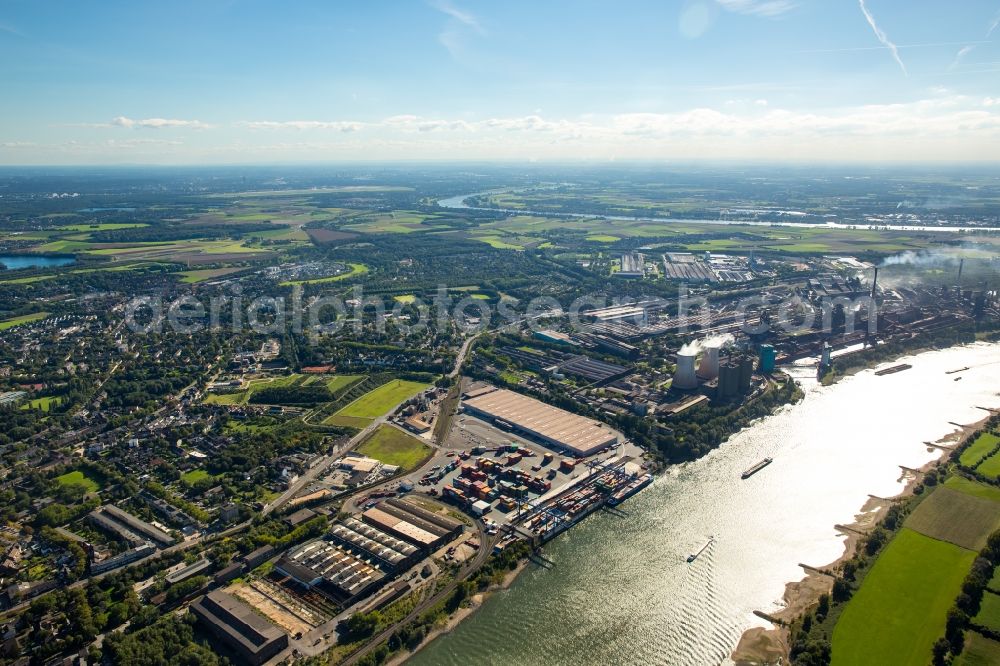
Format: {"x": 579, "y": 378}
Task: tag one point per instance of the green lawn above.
{"x": 78, "y": 478}
{"x": 900, "y": 610}
{"x": 236, "y": 398}
{"x": 24, "y": 319}
{"x": 376, "y": 403}
{"x": 989, "y": 612}
{"x": 338, "y": 382}
{"x": 194, "y": 476}
{"x": 44, "y": 404}
{"x": 983, "y": 445}
{"x": 978, "y": 651}
{"x": 603, "y": 238}
{"x": 394, "y": 447}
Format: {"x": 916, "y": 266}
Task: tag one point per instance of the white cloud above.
{"x": 994, "y": 24}
{"x": 768, "y": 8}
{"x": 338, "y": 125}
{"x": 882, "y": 37}
{"x": 154, "y": 123}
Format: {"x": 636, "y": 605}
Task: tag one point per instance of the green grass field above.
{"x": 972, "y": 488}
{"x": 78, "y": 478}
{"x": 900, "y": 609}
{"x": 978, "y": 651}
{"x": 982, "y": 446}
{"x": 989, "y": 612}
{"x": 44, "y": 404}
{"x": 194, "y": 476}
{"x": 25, "y": 319}
{"x": 237, "y": 398}
{"x": 376, "y": 403}
{"x": 957, "y": 517}
{"x": 355, "y": 422}
{"x": 603, "y": 238}
{"x": 990, "y": 467}
{"x": 394, "y": 447}
{"x": 340, "y": 381}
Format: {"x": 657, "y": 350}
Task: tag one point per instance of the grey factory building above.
{"x": 254, "y": 639}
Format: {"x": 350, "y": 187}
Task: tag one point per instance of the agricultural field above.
{"x": 78, "y": 478}
{"x": 957, "y": 517}
{"x": 972, "y": 488}
{"x": 24, "y": 319}
{"x": 983, "y": 445}
{"x": 978, "y": 651}
{"x": 104, "y": 226}
{"x": 392, "y": 446}
{"x": 989, "y": 612}
{"x": 379, "y": 401}
{"x": 900, "y": 609}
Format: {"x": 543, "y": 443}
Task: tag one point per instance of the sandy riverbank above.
{"x": 758, "y": 645}
{"x": 475, "y": 603}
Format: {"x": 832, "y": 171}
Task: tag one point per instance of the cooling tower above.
{"x": 709, "y": 367}
{"x": 684, "y": 377}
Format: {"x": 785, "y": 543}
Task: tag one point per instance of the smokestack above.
{"x": 874, "y": 282}
{"x": 685, "y": 377}
{"x": 961, "y": 264}
{"x": 709, "y": 367}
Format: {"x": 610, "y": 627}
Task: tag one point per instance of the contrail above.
{"x": 964, "y": 51}
{"x": 994, "y": 25}
{"x": 882, "y": 37}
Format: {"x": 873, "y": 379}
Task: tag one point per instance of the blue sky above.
{"x": 249, "y": 81}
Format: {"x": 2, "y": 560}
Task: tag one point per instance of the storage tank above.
{"x": 685, "y": 377}
{"x": 709, "y": 366}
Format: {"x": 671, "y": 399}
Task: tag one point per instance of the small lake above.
{"x": 15, "y": 261}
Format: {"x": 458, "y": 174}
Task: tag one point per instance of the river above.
{"x": 619, "y": 589}
{"x": 458, "y": 202}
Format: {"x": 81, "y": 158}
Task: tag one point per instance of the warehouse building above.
{"x": 330, "y": 568}
{"x": 553, "y": 426}
{"x": 425, "y": 529}
{"x": 254, "y": 639}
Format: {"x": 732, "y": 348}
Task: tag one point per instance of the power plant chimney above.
{"x": 874, "y": 282}
{"x": 961, "y": 264}
{"x": 709, "y": 367}
{"x": 685, "y": 377}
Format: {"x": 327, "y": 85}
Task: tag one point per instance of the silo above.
{"x": 685, "y": 377}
